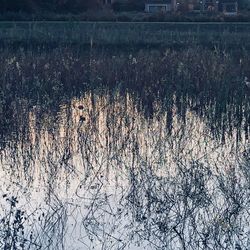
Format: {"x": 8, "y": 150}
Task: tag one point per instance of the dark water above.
{"x": 121, "y": 169}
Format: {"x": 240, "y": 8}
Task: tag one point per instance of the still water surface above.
{"x": 97, "y": 173}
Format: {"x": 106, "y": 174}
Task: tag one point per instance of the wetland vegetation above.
{"x": 123, "y": 34}
{"x": 124, "y": 147}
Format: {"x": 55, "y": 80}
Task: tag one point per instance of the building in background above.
{"x": 108, "y": 2}
{"x": 210, "y": 5}
{"x": 229, "y": 7}
{"x": 185, "y": 6}
{"x": 160, "y": 6}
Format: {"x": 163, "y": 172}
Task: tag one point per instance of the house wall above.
{"x": 154, "y": 7}
{"x": 108, "y": 1}
{"x": 225, "y": 6}
{"x": 230, "y": 8}
{"x": 210, "y": 5}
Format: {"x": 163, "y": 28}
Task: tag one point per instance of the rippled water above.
{"x": 97, "y": 173}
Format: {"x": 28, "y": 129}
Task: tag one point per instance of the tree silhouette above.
{"x": 49, "y": 5}
{"x": 17, "y": 5}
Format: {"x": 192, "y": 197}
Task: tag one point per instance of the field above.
{"x": 124, "y": 136}
{"x": 118, "y": 33}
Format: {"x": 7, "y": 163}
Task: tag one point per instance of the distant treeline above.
{"x": 96, "y": 10}
{"x": 48, "y": 5}
{"x": 73, "y": 6}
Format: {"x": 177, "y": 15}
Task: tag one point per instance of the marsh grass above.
{"x": 210, "y": 83}
{"x": 39, "y": 229}
{"x": 111, "y": 149}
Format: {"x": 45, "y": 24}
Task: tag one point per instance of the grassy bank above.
{"x": 235, "y": 35}
{"x": 128, "y": 16}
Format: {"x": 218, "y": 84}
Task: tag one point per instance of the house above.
{"x": 108, "y": 2}
{"x": 210, "y": 5}
{"x": 229, "y": 7}
{"x": 188, "y": 5}
{"x": 160, "y": 6}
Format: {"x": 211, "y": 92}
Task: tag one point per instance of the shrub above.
{"x": 18, "y": 5}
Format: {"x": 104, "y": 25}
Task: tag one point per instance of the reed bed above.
{"x": 211, "y": 83}
{"x": 109, "y": 148}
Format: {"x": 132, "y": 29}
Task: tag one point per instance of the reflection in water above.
{"x": 99, "y": 174}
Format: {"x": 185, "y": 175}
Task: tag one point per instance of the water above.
{"x": 101, "y": 171}
{"x": 119, "y": 149}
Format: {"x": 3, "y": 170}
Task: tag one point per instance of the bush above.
{"x": 123, "y": 18}
{"x": 131, "y": 5}
{"x": 17, "y": 6}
